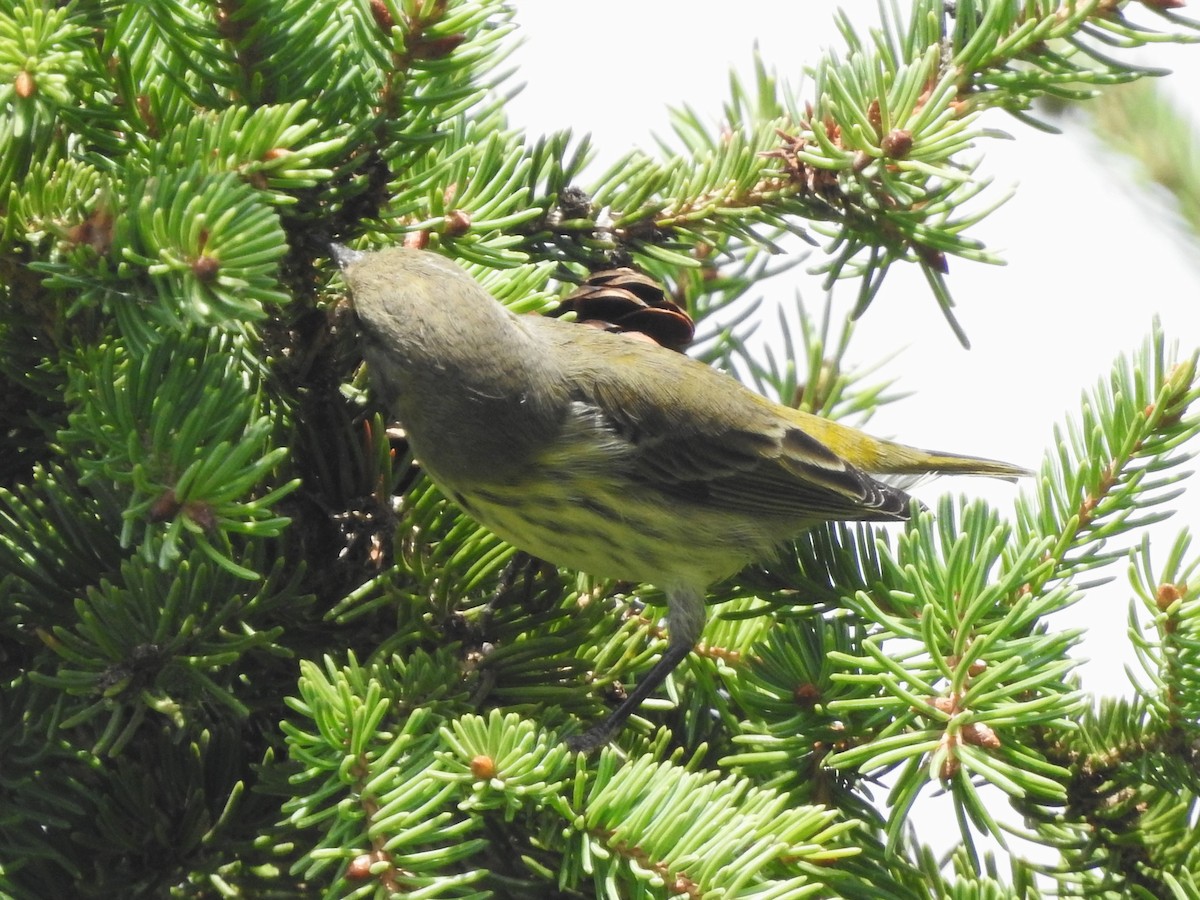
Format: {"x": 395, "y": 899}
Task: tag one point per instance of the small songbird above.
{"x": 609, "y": 455}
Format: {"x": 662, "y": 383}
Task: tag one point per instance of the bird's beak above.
{"x": 344, "y": 256}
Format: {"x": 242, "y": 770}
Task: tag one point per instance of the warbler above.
{"x": 609, "y": 455}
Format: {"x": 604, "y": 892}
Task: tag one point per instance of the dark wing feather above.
{"x": 716, "y": 442}
{"x": 715, "y": 469}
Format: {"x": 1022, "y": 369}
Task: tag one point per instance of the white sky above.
{"x": 1090, "y": 258}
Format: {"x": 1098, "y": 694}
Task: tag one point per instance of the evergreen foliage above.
{"x": 247, "y": 650}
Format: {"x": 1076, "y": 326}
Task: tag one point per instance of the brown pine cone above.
{"x": 627, "y": 302}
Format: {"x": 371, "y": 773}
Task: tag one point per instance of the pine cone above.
{"x": 627, "y": 302}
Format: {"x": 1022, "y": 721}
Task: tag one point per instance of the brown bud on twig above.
{"x": 950, "y": 765}
{"x": 165, "y": 507}
{"x": 932, "y": 257}
{"x": 96, "y": 231}
{"x": 206, "y": 267}
{"x": 980, "y": 735}
{"x": 382, "y": 16}
{"x": 1167, "y": 595}
{"x": 897, "y": 143}
{"x": 360, "y": 867}
{"x": 873, "y": 114}
{"x": 202, "y": 514}
{"x": 483, "y": 767}
{"x": 25, "y": 85}
{"x": 806, "y": 695}
{"x": 457, "y": 222}
{"x": 437, "y": 47}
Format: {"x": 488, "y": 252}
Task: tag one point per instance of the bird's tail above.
{"x": 879, "y": 457}
{"x": 904, "y": 460}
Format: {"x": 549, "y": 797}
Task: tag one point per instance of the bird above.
{"x": 607, "y": 455}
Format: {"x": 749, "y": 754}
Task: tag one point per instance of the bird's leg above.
{"x": 685, "y": 618}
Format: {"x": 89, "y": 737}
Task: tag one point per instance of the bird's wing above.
{"x": 790, "y": 475}
{"x": 699, "y": 435}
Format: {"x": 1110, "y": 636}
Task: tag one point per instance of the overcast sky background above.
{"x": 1091, "y": 257}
